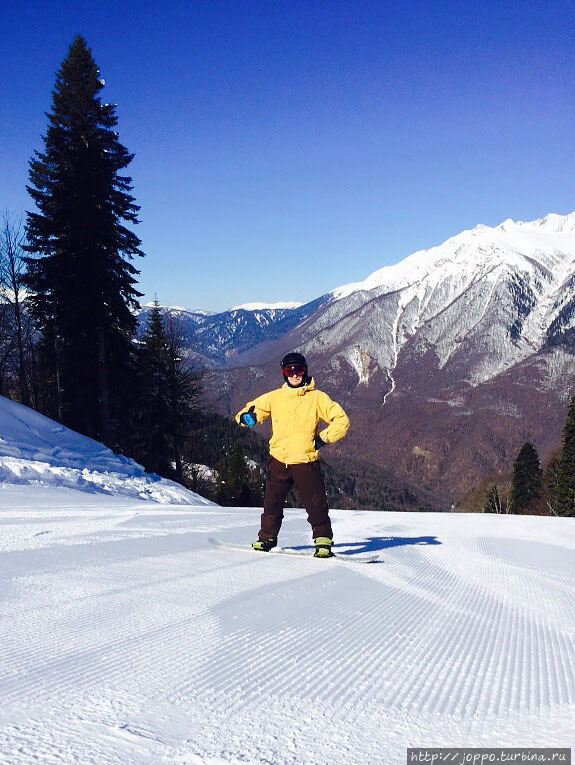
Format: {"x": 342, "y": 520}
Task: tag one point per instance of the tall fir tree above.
{"x": 184, "y": 391}
{"x": 153, "y": 397}
{"x": 167, "y": 396}
{"x": 565, "y": 504}
{"x": 80, "y": 277}
{"x": 527, "y": 475}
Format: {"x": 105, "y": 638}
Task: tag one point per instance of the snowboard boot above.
{"x": 264, "y": 545}
{"x": 323, "y": 547}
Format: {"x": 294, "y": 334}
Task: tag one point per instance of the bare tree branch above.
{"x": 17, "y": 325}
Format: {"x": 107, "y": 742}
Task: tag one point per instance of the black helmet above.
{"x": 297, "y": 359}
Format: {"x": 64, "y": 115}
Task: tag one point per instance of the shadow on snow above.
{"x": 375, "y": 544}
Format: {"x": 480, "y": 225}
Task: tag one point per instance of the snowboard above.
{"x": 350, "y": 558}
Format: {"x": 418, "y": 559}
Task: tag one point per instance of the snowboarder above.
{"x": 296, "y": 409}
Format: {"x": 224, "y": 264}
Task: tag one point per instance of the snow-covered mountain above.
{"x": 471, "y": 342}
{"x": 490, "y": 297}
{"x": 217, "y": 339}
{"x": 517, "y": 280}
{"x": 480, "y": 327}
{"x": 266, "y": 306}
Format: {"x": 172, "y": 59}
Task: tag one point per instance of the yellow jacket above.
{"x": 295, "y": 414}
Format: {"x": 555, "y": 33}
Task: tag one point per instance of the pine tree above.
{"x": 566, "y": 481}
{"x": 526, "y": 485}
{"x": 235, "y": 489}
{"x": 80, "y": 277}
{"x": 184, "y": 391}
{"x": 168, "y": 390}
{"x": 153, "y": 397}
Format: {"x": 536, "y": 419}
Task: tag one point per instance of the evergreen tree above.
{"x": 154, "y": 412}
{"x": 168, "y": 390}
{"x": 526, "y": 484}
{"x": 80, "y": 278}
{"x": 566, "y": 480}
{"x": 235, "y": 489}
{"x": 184, "y": 390}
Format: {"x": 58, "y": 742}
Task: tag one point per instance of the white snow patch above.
{"x": 203, "y": 471}
{"x": 360, "y": 361}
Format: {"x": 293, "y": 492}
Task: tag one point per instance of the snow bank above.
{"x": 36, "y": 450}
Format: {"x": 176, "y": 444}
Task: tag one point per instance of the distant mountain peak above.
{"x": 179, "y": 309}
{"x": 266, "y": 306}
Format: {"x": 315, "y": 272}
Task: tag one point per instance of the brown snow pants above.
{"x": 308, "y": 480}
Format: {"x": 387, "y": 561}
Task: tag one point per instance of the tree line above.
{"x": 532, "y": 488}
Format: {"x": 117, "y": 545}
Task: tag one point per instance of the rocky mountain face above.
{"x": 447, "y": 362}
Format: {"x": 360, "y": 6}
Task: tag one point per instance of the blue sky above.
{"x": 286, "y": 147}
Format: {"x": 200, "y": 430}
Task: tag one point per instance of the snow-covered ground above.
{"x": 127, "y": 639}
{"x": 36, "y": 451}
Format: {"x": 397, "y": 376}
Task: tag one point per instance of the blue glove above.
{"x": 318, "y": 443}
{"x": 249, "y": 418}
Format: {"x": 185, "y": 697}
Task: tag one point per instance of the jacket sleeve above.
{"x": 262, "y": 409}
{"x": 337, "y": 420}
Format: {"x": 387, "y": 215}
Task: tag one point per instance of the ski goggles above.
{"x": 294, "y": 369}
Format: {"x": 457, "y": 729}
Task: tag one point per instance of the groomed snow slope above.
{"x": 37, "y": 451}
{"x": 126, "y": 639}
